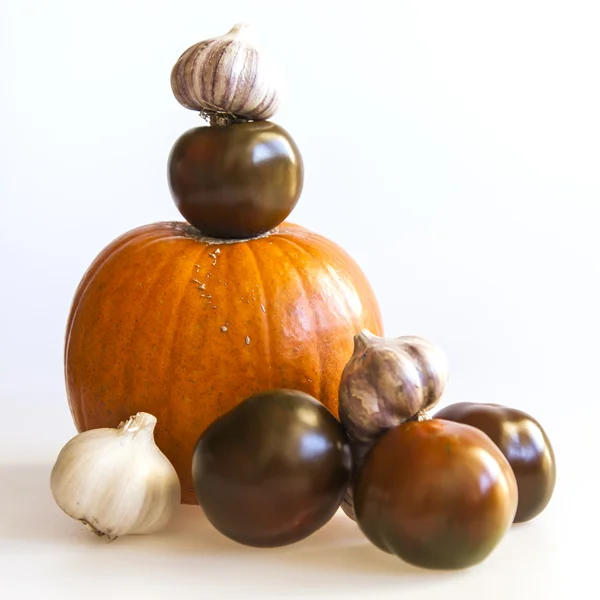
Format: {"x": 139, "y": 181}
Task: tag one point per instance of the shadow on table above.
{"x": 29, "y": 515}
{"x": 27, "y": 510}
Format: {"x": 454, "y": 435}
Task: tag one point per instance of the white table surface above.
{"x": 45, "y": 554}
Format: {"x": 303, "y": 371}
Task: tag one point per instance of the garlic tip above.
{"x": 141, "y": 420}
{"x": 362, "y": 340}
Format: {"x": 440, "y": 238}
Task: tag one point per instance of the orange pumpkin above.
{"x": 185, "y": 327}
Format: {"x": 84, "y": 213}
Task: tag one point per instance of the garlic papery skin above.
{"x": 117, "y": 481}
{"x": 388, "y": 381}
{"x": 227, "y": 75}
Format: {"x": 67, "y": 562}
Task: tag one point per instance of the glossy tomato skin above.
{"x": 273, "y": 470}
{"x": 437, "y": 494}
{"x": 236, "y": 181}
{"x": 524, "y": 443}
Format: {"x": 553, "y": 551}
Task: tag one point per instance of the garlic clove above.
{"x": 388, "y": 381}
{"x": 117, "y": 481}
{"x": 433, "y": 366}
{"x": 227, "y": 75}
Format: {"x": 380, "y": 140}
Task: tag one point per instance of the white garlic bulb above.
{"x": 117, "y": 481}
{"x": 226, "y": 74}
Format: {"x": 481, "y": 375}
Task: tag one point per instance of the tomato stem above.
{"x": 218, "y": 118}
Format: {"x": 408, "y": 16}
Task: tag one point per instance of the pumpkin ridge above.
{"x": 265, "y": 317}
{"x": 140, "y": 244}
{"x": 154, "y": 231}
{"x": 175, "y": 319}
{"x": 350, "y": 264}
{"x": 326, "y": 265}
{"x": 292, "y": 264}
{"x": 127, "y": 383}
{"x": 118, "y": 244}
{"x": 178, "y": 314}
{"x": 87, "y": 282}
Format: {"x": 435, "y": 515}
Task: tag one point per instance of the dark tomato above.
{"x": 359, "y": 450}
{"x": 438, "y": 494}
{"x": 524, "y": 443}
{"x": 273, "y": 470}
{"x": 236, "y": 181}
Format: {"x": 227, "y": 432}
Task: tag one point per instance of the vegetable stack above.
{"x": 183, "y": 320}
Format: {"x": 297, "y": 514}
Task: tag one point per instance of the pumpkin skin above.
{"x": 185, "y": 327}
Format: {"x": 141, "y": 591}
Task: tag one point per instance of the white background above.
{"x": 453, "y": 148}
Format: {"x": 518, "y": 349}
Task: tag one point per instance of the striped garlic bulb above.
{"x": 226, "y": 74}
{"x": 388, "y": 381}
